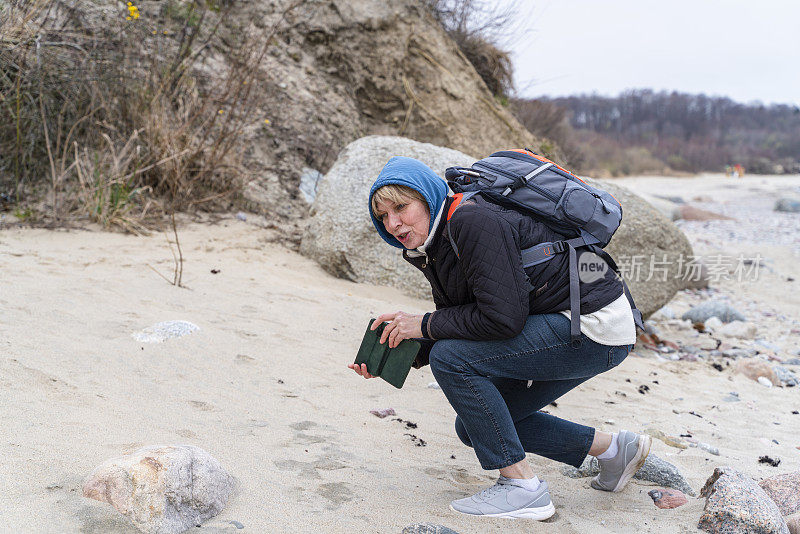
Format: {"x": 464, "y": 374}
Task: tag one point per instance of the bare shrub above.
{"x": 114, "y": 114}
{"x": 477, "y": 27}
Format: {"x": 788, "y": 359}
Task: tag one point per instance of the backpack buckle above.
{"x": 559, "y": 247}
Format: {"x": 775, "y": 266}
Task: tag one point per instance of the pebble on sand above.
{"x": 755, "y": 368}
{"x": 713, "y": 308}
{"x": 162, "y": 489}
{"x": 160, "y": 332}
{"x": 667, "y": 498}
{"x": 384, "y": 412}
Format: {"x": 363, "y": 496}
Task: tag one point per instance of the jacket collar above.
{"x": 436, "y": 227}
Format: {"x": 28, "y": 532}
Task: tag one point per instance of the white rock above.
{"x": 764, "y": 381}
{"x": 162, "y": 489}
{"x": 434, "y": 385}
{"x": 713, "y": 323}
{"x": 738, "y": 329}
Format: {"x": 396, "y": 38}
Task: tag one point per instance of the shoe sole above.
{"x": 539, "y": 514}
{"x": 635, "y": 464}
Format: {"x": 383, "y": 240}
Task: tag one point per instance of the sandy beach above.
{"x": 263, "y": 385}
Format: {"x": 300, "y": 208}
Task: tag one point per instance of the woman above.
{"x": 502, "y": 346}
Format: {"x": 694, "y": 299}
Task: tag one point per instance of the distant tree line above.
{"x": 646, "y": 131}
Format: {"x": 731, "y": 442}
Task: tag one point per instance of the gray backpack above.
{"x": 526, "y": 182}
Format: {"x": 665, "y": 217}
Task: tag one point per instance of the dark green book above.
{"x": 392, "y": 365}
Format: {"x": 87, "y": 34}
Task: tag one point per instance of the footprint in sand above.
{"x": 202, "y": 406}
{"x": 335, "y": 492}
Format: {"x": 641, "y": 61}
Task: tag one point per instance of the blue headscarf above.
{"x": 416, "y": 175}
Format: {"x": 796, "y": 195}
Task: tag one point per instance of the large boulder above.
{"x": 162, "y": 489}
{"x": 784, "y": 489}
{"x": 340, "y": 235}
{"x": 735, "y": 504}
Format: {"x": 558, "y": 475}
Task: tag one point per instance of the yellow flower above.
{"x": 154, "y": 32}
{"x": 221, "y": 112}
{"x": 127, "y": 18}
{"x": 130, "y": 3}
{"x": 266, "y": 121}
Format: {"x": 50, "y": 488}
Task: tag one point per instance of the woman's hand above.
{"x": 401, "y": 326}
{"x": 360, "y": 369}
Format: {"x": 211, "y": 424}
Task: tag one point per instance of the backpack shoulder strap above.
{"x": 458, "y": 199}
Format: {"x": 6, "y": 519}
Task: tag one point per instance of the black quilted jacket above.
{"x": 486, "y": 294}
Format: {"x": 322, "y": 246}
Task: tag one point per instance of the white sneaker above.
{"x": 507, "y": 499}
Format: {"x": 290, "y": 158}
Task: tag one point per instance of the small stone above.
{"x": 732, "y": 397}
{"x": 706, "y": 447}
{"x": 788, "y": 205}
{"x": 755, "y": 368}
{"x": 764, "y": 381}
{"x": 785, "y": 491}
{"x": 787, "y": 377}
{"x": 242, "y": 216}
{"x": 667, "y": 498}
{"x": 713, "y": 308}
{"x": 792, "y": 361}
{"x": 738, "y": 329}
{"x": 434, "y": 385}
{"x": 739, "y": 353}
{"x": 237, "y": 524}
{"x": 162, "y": 489}
{"x": 654, "y": 470}
{"x": 160, "y": 332}
{"x": 713, "y": 323}
{"x": 735, "y": 504}
{"x": 666, "y": 312}
{"x": 384, "y": 412}
{"x": 427, "y": 528}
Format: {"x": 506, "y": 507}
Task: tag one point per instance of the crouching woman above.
{"x": 500, "y": 337}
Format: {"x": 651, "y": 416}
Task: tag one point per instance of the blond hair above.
{"x": 396, "y": 194}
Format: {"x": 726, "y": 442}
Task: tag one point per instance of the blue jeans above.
{"x": 486, "y": 382}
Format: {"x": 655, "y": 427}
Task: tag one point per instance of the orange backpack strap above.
{"x": 456, "y": 201}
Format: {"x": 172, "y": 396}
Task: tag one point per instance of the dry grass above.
{"x": 108, "y": 118}
{"x": 476, "y": 26}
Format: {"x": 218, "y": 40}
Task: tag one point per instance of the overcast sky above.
{"x": 745, "y": 50}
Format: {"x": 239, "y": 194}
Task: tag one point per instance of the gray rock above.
{"x": 242, "y": 216}
{"x": 732, "y": 397}
{"x": 739, "y": 353}
{"x": 792, "y": 361}
{"x": 706, "y": 447}
{"x": 654, "y": 470}
{"x": 341, "y": 238}
{"x": 309, "y": 179}
{"x": 645, "y": 233}
{"x": 786, "y": 376}
{"x": 735, "y": 504}
{"x": 713, "y": 308}
{"x": 665, "y": 312}
{"x": 789, "y": 205}
{"x": 160, "y": 332}
{"x": 427, "y": 528}
{"x": 738, "y": 329}
{"x": 162, "y": 489}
